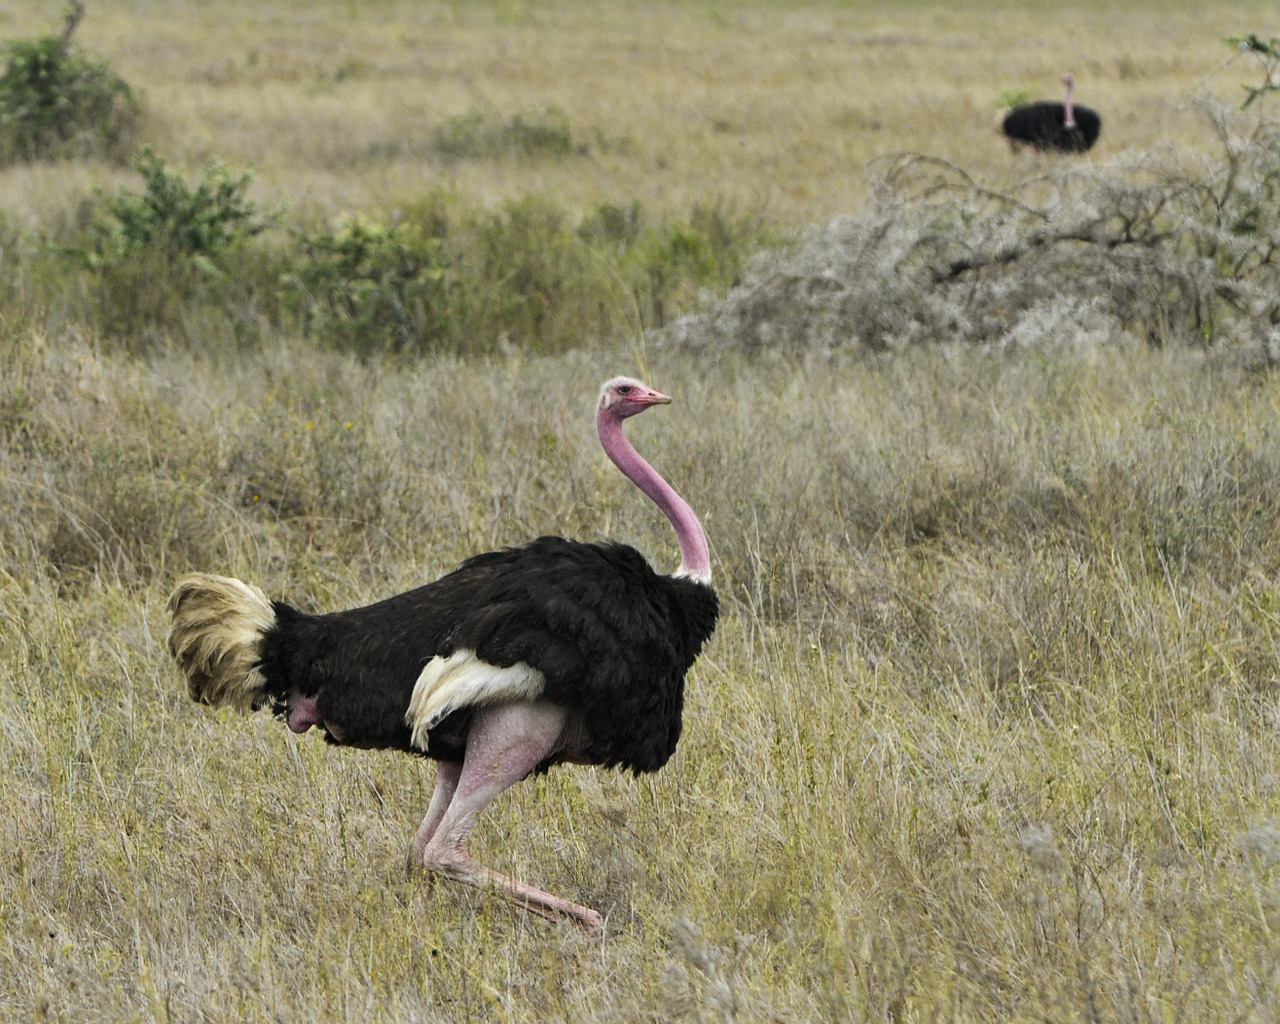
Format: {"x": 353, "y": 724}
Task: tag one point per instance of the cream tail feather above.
{"x": 463, "y": 680}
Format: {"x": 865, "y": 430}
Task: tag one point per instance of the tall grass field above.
{"x": 987, "y": 446}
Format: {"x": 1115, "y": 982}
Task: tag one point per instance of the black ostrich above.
{"x": 557, "y": 651}
{"x": 1062, "y": 127}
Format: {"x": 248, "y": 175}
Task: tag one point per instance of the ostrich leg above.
{"x": 447, "y": 775}
{"x": 504, "y": 745}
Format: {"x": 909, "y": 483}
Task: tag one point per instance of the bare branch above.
{"x": 75, "y": 14}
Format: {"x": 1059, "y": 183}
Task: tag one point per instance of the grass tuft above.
{"x": 483, "y": 134}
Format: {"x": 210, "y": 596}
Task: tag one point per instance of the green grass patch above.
{"x": 192, "y": 261}
{"x": 481, "y": 134}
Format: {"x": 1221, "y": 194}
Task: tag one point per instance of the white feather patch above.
{"x": 463, "y": 680}
{"x": 699, "y": 576}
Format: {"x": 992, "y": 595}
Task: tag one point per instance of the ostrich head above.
{"x": 623, "y": 397}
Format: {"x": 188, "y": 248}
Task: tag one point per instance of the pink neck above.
{"x": 1069, "y": 111}
{"x": 695, "y": 553}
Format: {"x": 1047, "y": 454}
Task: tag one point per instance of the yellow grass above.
{"x": 989, "y": 728}
{"x": 769, "y": 105}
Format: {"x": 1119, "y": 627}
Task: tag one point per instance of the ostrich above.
{"x": 1063, "y": 127}
{"x": 557, "y": 651}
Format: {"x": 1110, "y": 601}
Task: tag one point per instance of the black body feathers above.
{"x": 612, "y": 638}
{"x": 1043, "y": 125}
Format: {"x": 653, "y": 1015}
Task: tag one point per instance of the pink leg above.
{"x": 504, "y": 745}
{"x": 447, "y": 774}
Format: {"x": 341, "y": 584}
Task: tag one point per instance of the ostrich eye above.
{"x": 625, "y": 389}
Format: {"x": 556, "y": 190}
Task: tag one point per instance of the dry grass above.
{"x": 989, "y": 729}
{"x": 770, "y": 105}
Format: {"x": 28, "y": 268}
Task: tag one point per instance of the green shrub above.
{"x": 680, "y": 260}
{"x": 152, "y": 262}
{"x": 188, "y": 223}
{"x": 523, "y": 275}
{"x": 1010, "y": 98}
{"x": 1267, "y": 53}
{"x": 462, "y": 282}
{"x": 56, "y": 102}
{"x": 372, "y": 287}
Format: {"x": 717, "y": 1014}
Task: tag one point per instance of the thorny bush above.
{"x": 1145, "y": 250}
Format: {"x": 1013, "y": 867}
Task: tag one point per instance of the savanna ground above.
{"x": 989, "y": 727}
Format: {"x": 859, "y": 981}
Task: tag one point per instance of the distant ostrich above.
{"x": 557, "y": 651}
{"x": 1063, "y": 127}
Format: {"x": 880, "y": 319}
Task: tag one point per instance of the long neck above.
{"x": 1068, "y": 109}
{"x": 695, "y": 553}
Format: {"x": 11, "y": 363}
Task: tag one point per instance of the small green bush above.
{"x": 1010, "y": 98}
{"x": 189, "y": 223}
{"x": 57, "y": 102}
{"x": 373, "y": 287}
{"x": 524, "y": 275}
{"x": 152, "y": 263}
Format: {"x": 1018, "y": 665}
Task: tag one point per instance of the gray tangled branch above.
{"x": 1149, "y": 250}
